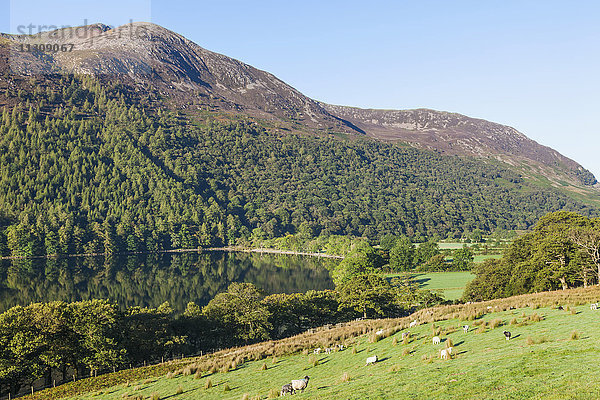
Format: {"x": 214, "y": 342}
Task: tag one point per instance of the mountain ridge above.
{"x": 196, "y": 78}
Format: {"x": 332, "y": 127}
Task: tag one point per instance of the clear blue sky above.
{"x": 530, "y": 64}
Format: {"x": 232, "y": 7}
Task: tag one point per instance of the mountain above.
{"x": 193, "y": 77}
{"x": 151, "y": 143}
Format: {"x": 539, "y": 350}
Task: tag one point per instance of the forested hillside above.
{"x": 91, "y": 167}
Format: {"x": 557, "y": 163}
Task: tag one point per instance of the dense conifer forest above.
{"x": 91, "y": 167}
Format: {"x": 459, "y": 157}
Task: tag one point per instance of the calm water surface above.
{"x": 150, "y": 280}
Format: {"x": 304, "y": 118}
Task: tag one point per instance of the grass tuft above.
{"x": 574, "y": 335}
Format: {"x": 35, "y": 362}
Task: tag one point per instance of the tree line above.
{"x": 95, "y": 167}
{"x": 562, "y": 251}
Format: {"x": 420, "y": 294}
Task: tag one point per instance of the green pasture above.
{"x": 555, "y": 358}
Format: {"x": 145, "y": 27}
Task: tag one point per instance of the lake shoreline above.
{"x": 259, "y": 250}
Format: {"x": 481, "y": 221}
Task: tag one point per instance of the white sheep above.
{"x": 317, "y": 350}
{"x": 449, "y": 350}
{"x": 328, "y": 350}
{"x": 594, "y": 306}
{"x": 379, "y": 332}
{"x": 340, "y": 347}
{"x": 436, "y": 340}
{"x": 371, "y": 360}
{"x": 413, "y": 324}
{"x": 465, "y": 328}
{"x": 300, "y": 384}
{"x": 444, "y": 354}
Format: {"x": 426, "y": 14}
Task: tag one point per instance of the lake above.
{"x": 150, "y": 280}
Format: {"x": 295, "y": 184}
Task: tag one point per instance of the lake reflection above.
{"x": 150, "y": 280}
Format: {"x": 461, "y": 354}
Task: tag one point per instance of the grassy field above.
{"x": 552, "y": 355}
{"x": 478, "y": 258}
{"x": 450, "y": 284}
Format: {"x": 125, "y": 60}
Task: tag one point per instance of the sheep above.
{"x": 466, "y": 328}
{"x": 328, "y": 350}
{"x": 371, "y": 360}
{"x": 413, "y": 324}
{"x": 317, "y": 350}
{"x": 436, "y": 340}
{"x": 379, "y": 332}
{"x": 449, "y": 350}
{"x": 287, "y": 388}
{"x": 300, "y": 384}
{"x": 444, "y": 354}
{"x": 560, "y": 308}
{"x": 340, "y": 347}
{"x": 594, "y": 306}
{"x": 489, "y": 307}
{"x": 507, "y": 335}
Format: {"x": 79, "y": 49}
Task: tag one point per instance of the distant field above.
{"x": 451, "y": 246}
{"x": 480, "y": 257}
{"x": 543, "y": 360}
{"x": 450, "y": 284}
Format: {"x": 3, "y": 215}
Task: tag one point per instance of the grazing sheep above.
{"x": 449, "y": 350}
{"x": 371, "y": 360}
{"x": 413, "y": 324}
{"x": 560, "y": 308}
{"x": 328, "y": 350}
{"x": 340, "y": 347}
{"x": 507, "y": 335}
{"x": 317, "y": 350}
{"x": 466, "y": 328}
{"x": 444, "y": 354}
{"x": 405, "y": 335}
{"x": 436, "y": 340}
{"x": 300, "y": 384}
{"x": 287, "y": 388}
{"x": 489, "y": 307}
{"x": 594, "y": 306}
{"x": 379, "y": 332}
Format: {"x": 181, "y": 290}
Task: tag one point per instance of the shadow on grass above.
{"x": 182, "y": 393}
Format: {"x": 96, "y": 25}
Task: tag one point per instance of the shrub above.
{"x": 208, "y": 384}
{"x": 263, "y": 367}
{"x": 345, "y": 377}
{"x": 395, "y": 341}
{"x": 154, "y": 396}
{"x": 226, "y": 388}
{"x": 179, "y": 390}
{"x": 449, "y": 343}
{"x": 273, "y": 394}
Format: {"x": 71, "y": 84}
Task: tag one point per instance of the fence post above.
{"x": 54, "y": 384}
{"x": 32, "y": 390}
